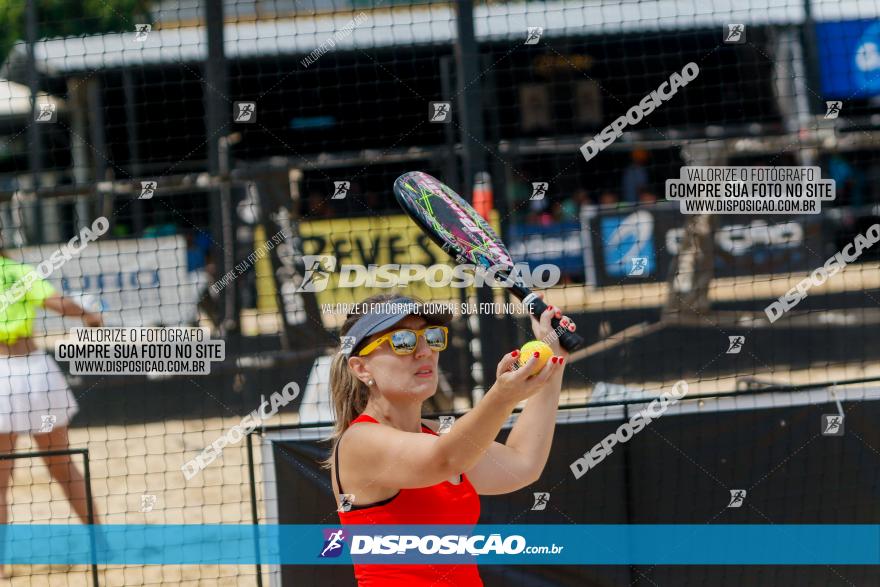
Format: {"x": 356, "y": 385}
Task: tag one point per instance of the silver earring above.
{"x": 370, "y": 383}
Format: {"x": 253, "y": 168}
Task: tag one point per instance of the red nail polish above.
{"x": 553, "y": 360}
{"x": 561, "y": 360}
{"x": 550, "y": 308}
{"x": 514, "y": 354}
{"x": 536, "y": 355}
{"x": 571, "y": 327}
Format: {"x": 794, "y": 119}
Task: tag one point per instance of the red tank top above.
{"x": 444, "y": 503}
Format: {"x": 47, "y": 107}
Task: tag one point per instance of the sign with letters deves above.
{"x": 373, "y": 240}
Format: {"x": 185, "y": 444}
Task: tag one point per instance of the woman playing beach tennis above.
{"x": 393, "y": 467}
{"x": 34, "y": 395}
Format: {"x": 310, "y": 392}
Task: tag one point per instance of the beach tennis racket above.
{"x": 459, "y": 230}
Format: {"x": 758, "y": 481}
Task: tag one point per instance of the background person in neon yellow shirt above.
{"x": 34, "y": 395}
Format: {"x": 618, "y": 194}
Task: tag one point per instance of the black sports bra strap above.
{"x": 336, "y": 457}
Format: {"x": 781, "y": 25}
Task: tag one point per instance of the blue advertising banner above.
{"x": 557, "y": 244}
{"x": 849, "y": 58}
{"x": 489, "y": 544}
{"x": 628, "y": 244}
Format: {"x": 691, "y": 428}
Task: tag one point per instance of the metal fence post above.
{"x": 473, "y": 157}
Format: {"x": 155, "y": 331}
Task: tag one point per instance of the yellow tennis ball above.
{"x": 529, "y": 349}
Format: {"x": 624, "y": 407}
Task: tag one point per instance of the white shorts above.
{"x": 33, "y": 389}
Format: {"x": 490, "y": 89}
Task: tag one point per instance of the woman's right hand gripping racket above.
{"x": 459, "y": 230}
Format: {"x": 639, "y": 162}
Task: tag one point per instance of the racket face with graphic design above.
{"x": 450, "y": 221}
{"x": 459, "y": 230}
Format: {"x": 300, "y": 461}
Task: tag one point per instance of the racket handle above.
{"x": 567, "y": 339}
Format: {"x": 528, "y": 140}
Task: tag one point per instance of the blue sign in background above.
{"x": 557, "y": 244}
{"x": 626, "y": 237}
{"x": 849, "y": 58}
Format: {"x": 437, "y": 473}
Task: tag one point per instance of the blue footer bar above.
{"x": 523, "y": 544}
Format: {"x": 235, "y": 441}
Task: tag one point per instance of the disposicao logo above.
{"x": 333, "y": 541}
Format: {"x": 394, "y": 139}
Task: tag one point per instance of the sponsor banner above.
{"x": 133, "y": 282}
{"x": 374, "y": 240}
{"x": 626, "y": 246}
{"x": 747, "y": 245}
{"x": 849, "y": 58}
{"x": 556, "y": 244}
{"x": 493, "y": 544}
{"x": 638, "y": 244}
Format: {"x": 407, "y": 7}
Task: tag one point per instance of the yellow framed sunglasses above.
{"x": 405, "y": 340}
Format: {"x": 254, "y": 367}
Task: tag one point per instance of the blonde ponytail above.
{"x": 348, "y": 394}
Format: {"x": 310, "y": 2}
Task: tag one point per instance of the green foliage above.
{"x": 61, "y": 18}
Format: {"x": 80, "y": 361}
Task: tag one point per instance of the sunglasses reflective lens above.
{"x": 436, "y": 338}
{"x": 403, "y": 341}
